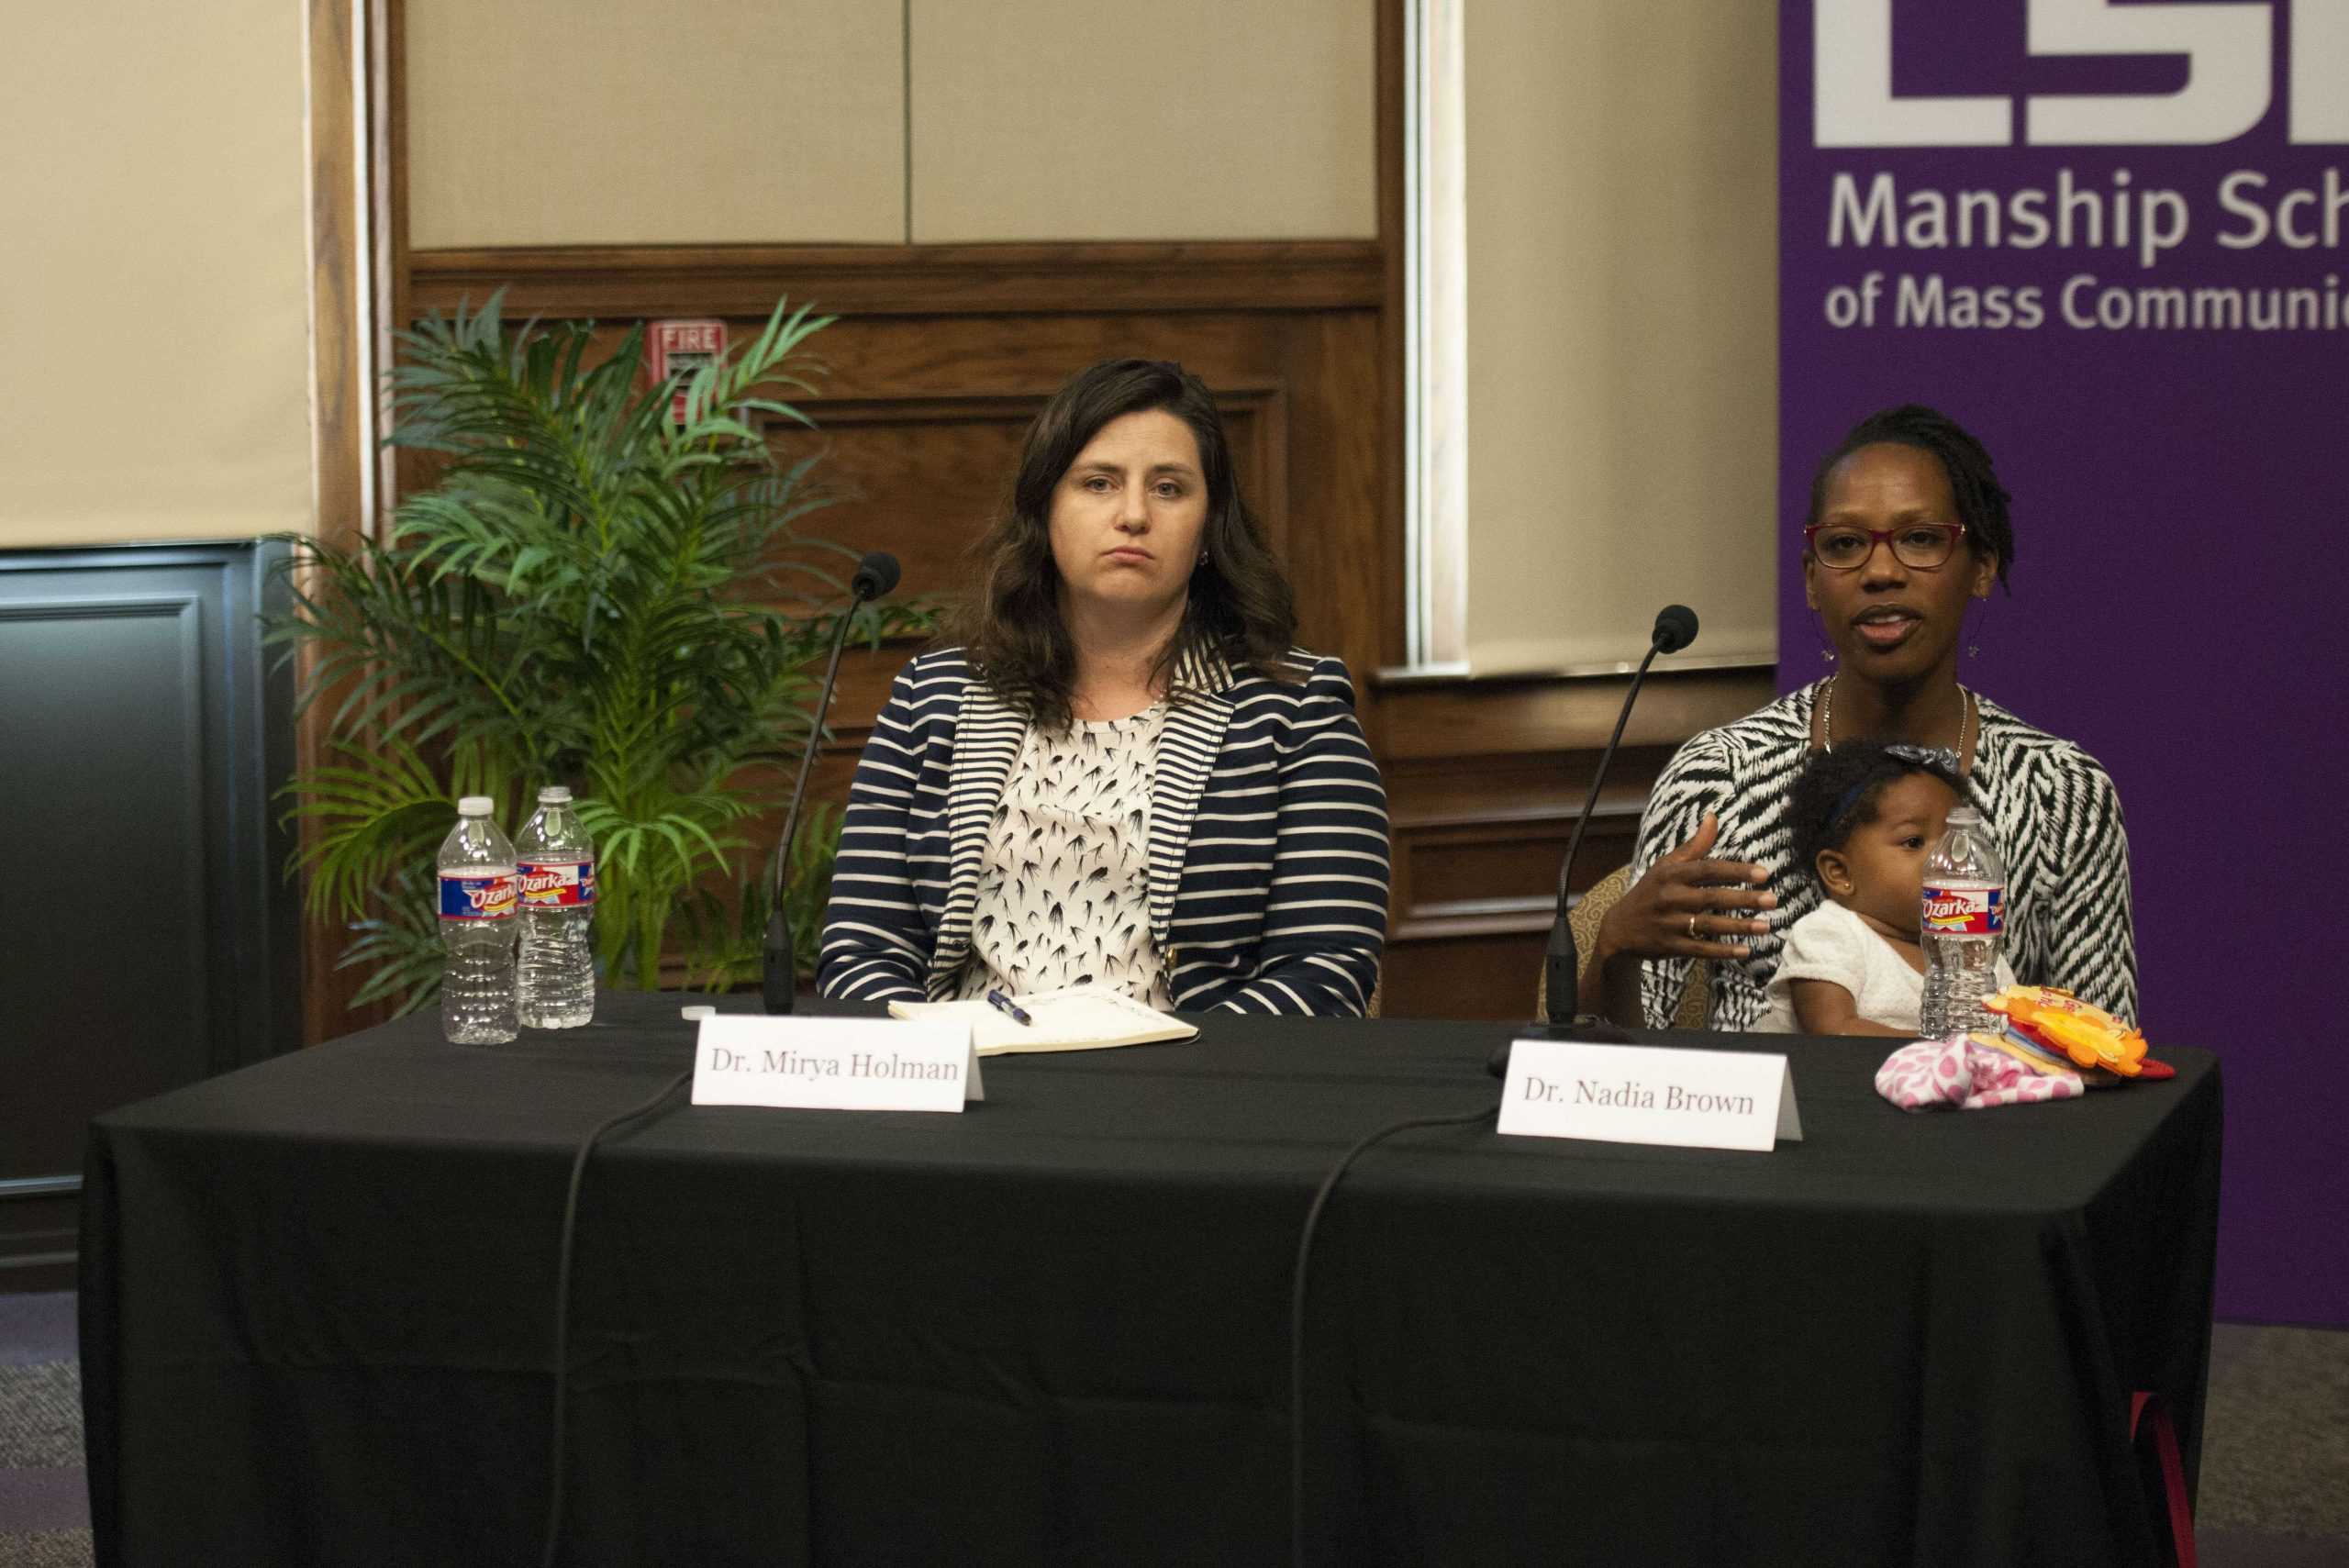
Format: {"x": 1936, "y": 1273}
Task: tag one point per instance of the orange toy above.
{"x": 2089, "y": 1035}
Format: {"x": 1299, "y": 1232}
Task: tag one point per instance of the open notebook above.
{"x": 1085, "y": 1017}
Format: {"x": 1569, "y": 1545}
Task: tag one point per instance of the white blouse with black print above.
{"x": 1063, "y": 895}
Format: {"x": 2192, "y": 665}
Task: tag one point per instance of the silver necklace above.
{"x": 1966, "y": 720}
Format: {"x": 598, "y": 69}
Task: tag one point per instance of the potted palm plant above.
{"x": 590, "y": 594}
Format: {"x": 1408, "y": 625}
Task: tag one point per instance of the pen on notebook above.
{"x": 1003, "y": 1004}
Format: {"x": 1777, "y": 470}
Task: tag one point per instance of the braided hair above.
{"x": 1837, "y": 791}
{"x": 1972, "y": 479}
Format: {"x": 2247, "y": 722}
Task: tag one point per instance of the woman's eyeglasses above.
{"x": 1840, "y": 546}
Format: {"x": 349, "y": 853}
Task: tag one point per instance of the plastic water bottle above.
{"x": 477, "y": 901}
{"x": 1961, "y": 924}
{"x": 557, "y": 985}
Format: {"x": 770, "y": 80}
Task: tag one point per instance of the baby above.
{"x": 1865, "y": 817}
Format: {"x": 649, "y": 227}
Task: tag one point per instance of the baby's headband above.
{"x": 1940, "y": 757}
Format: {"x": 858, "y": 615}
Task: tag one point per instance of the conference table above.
{"x": 318, "y": 1294}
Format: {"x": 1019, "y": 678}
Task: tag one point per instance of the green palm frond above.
{"x": 401, "y": 948}
{"x": 380, "y": 812}
{"x": 589, "y": 595}
{"x": 728, "y": 937}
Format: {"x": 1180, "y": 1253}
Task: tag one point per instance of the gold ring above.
{"x": 1692, "y": 928}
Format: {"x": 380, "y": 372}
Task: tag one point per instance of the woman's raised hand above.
{"x": 1689, "y": 906}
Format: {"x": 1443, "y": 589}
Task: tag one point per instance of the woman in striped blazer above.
{"x": 1124, "y": 773}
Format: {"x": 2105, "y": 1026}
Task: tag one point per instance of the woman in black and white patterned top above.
{"x": 1908, "y": 525}
{"x": 1125, "y": 774}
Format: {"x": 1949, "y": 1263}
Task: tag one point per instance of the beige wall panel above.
{"x": 1622, "y": 308}
{"x": 1178, "y": 119}
{"x": 615, "y": 122}
{"x": 153, "y": 303}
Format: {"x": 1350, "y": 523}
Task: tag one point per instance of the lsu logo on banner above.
{"x": 1963, "y": 911}
{"x": 2228, "y": 77}
{"x": 557, "y": 884}
{"x": 466, "y": 898}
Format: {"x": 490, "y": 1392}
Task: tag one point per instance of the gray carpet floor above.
{"x": 2275, "y": 1486}
{"x": 44, "y": 1505}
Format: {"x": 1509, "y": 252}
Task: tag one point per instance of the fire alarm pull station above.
{"x": 680, "y": 348}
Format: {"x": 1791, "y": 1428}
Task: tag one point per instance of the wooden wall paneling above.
{"x": 335, "y": 235}
{"x": 1475, "y": 873}
{"x": 963, "y": 355}
{"x": 866, "y": 365}
{"x": 1258, "y": 422}
{"x": 1454, "y": 717}
{"x": 1333, "y": 548}
{"x": 389, "y": 44}
{"x": 1485, "y": 779}
{"x": 342, "y": 211}
{"x": 386, "y": 197}
{"x": 1500, "y": 864}
{"x": 917, "y": 476}
{"x": 922, "y": 476}
{"x": 1475, "y": 976}
{"x": 1452, "y": 820}
{"x": 617, "y": 282}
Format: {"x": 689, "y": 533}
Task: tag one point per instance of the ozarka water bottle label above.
{"x": 558, "y": 884}
{"x": 464, "y": 897}
{"x": 1964, "y": 911}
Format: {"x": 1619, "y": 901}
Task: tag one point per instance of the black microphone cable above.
{"x": 563, "y": 1302}
{"x": 1296, "y": 1309}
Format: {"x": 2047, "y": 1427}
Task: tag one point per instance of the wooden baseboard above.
{"x": 40, "y": 1241}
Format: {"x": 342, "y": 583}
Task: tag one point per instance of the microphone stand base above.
{"x": 1588, "y": 1028}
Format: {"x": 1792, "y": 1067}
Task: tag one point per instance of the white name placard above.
{"x": 848, "y": 1065}
{"x": 1645, "y": 1094}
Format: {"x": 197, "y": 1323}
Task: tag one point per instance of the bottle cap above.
{"x": 554, "y": 795}
{"x": 475, "y": 805}
{"x": 1964, "y": 816}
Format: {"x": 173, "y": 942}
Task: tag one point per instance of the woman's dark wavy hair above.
{"x": 1240, "y": 604}
{"x": 1973, "y": 481}
{"x": 1837, "y": 791}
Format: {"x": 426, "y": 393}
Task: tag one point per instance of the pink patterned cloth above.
{"x": 1938, "y": 1073}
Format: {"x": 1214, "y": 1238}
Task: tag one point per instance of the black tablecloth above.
{"x": 317, "y": 1293}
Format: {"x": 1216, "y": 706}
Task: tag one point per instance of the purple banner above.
{"x": 2113, "y": 239}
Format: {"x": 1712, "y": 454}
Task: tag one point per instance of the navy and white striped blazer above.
{"x": 1267, "y": 838}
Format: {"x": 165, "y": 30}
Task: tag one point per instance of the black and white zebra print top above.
{"x": 1267, "y": 875}
{"x": 1064, "y": 882}
{"x": 2053, "y": 809}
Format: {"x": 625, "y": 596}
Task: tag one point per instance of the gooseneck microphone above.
{"x": 1675, "y": 629}
{"x": 877, "y": 573}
